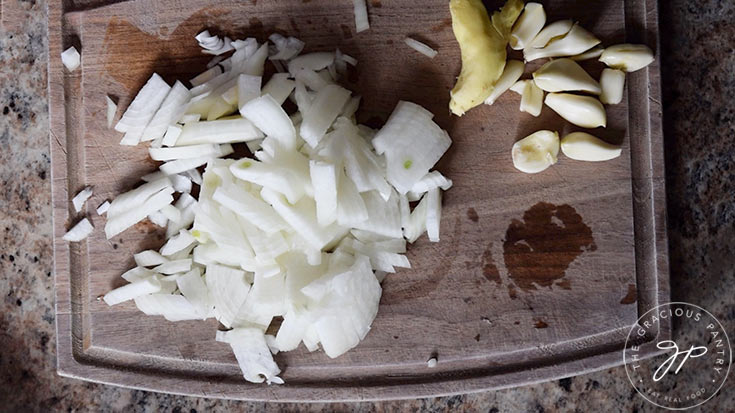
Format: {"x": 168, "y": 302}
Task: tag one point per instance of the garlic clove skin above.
{"x": 593, "y": 53}
{"x": 577, "y": 41}
{"x": 582, "y": 146}
{"x": 536, "y": 152}
{"x": 561, "y": 75}
{"x": 583, "y": 111}
{"x": 528, "y": 26}
{"x": 551, "y": 32}
{"x": 512, "y": 72}
{"x": 627, "y": 57}
{"x": 532, "y": 99}
{"x": 613, "y": 85}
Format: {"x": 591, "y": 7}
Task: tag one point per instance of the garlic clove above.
{"x": 577, "y": 41}
{"x": 551, "y": 32}
{"x": 532, "y": 99}
{"x": 512, "y": 72}
{"x": 583, "y": 111}
{"x": 593, "y": 53}
{"x": 519, "y": 86}
{"x": 528, "y": 26}
{"x": 582, "y": 146}
{"x": 536, "y": 152}
{"x": 627, "y": 57}
{"x": 561, "y": 75}
{"x": 613, "y": 84}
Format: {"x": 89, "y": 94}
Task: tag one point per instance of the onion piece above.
{"x": 103, "y": 207}
{"x": 361, "y": 16}
{"x": 125, "y": 220}
{"x": 71, "y": 58}
{"x": 218, "y": 131}
{"x": 78, "y": 232}
{"x": 327, "y": 104}
{"x": 80, "y": 198}
{"x": 149, "y": 258}
{"x": 420, "y": 47}
{"x": 172, "y": 108}
{"x": 142, "y": 109}
{"x": 252, "y": 354}
{"x": 279, "y": 87}
{"x": 133, "y": 290}
{"x": 185, "y": 152}
{"x": 287, "y": 47}
{"x": 171, "y": 307}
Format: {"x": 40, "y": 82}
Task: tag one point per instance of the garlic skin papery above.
{"x": 582, "y": 146}
{"x": 613, "y": 85}
{"x": 536, "y": 152}
{"x": 577, "y": 41}
{"x": 512, "y": 72}
{"x": 528, "y": 26}
{"x": 583, "y": 111}
{"x": 562, "y": 75}
{"x": 627, "y": 57}
{"x": 551, "y": 32}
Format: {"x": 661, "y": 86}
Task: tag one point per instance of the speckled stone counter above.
{"x": 698, "y": 49}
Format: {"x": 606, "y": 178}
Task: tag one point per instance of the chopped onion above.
{"x": 361, "y": 16}
{"x": 268, "y": 116}
{"x": 287, "y": 48}
{"x": 218, "y": 131}
{"x": 102, "y": 209}
{"x": 142, "y": 109}
{"x": 279, "y": 87}
{"x": 420, "y": 47}
{"x": 327, "y": 104}
{"x": 71, "y": 58}
{"x": 79, "y": 231}
{"x": 125, "y": 220}
{"x": 172, "y": 108}
{"x": 80, "y": 198}
{"x": 149, "y": 258}
{"x": 133, "y": 290}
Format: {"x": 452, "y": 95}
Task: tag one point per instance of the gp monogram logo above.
{"x": 689, "y": 371}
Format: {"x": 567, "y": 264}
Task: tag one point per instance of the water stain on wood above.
{"x": 294, "y": 26}
{"x": 631, "y": 296}
{"x": 540, "y": 324}
{"x": 376, "y": 3}
{"x": 443, "y": 25}
{"x": 512, "y": 292}
{"x": 146, "y": 226}
{"x": 255, "y": 23}
{"x": 346, "y": 31}
{"x": 489, "y": 269}
{"x": 539, "y": 249}
{"x": 472, "y": 215}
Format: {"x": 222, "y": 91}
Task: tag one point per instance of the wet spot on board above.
{"x": 477, "y": 338}
{"x": 294, "y": 26}
{"x": 146, "y": 226}
{"x": 631, "y": 296}
{"x": 389, "y": 41}
{"x": 512, "y": 292}
{"x": 472, "y": 215}
{"x": 446, "y": 23}
{"x": 376, "y": 3}
{"x": 537, "y": 250}
{"x": 255, "y": 23}
{"x": 489, "y": 269}
{"x": 346, "y": 32}
{"x": 353, "y": 75}
{"x": 540, "y": 324}
{"x": 166, "y": 56}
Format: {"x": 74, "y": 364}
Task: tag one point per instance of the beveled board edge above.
{"x": 650, "y": 238}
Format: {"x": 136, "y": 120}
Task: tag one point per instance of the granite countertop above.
{"x": 698, "y": 49}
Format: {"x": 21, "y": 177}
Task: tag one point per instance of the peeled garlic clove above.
{"x": 536, "y": 152}
{"x": 565, "y": 74}
{"x": 551, "y": 32}
{"x": 593, "y": 53}
{"x": 528, "y": 26}
{"x": 577, "y": 41}
{"x": 512, "y": 72}
{"x": 613, "y": 84}
{"x": 582, "y": 146}
{"x": 532, "y": 99}
{"x": 583, "y": 111}
{"x": 627, "y": 57}
{"x": 519, "y": 86}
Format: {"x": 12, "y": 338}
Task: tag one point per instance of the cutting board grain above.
{"x": 536, "y": 277}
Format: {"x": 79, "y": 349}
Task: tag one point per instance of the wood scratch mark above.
{"x": 58, "y": 142}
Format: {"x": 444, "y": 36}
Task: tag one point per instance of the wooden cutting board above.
{"x": 536, "y": 277}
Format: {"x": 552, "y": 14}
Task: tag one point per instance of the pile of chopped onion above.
{"x": 304, "y": 230}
